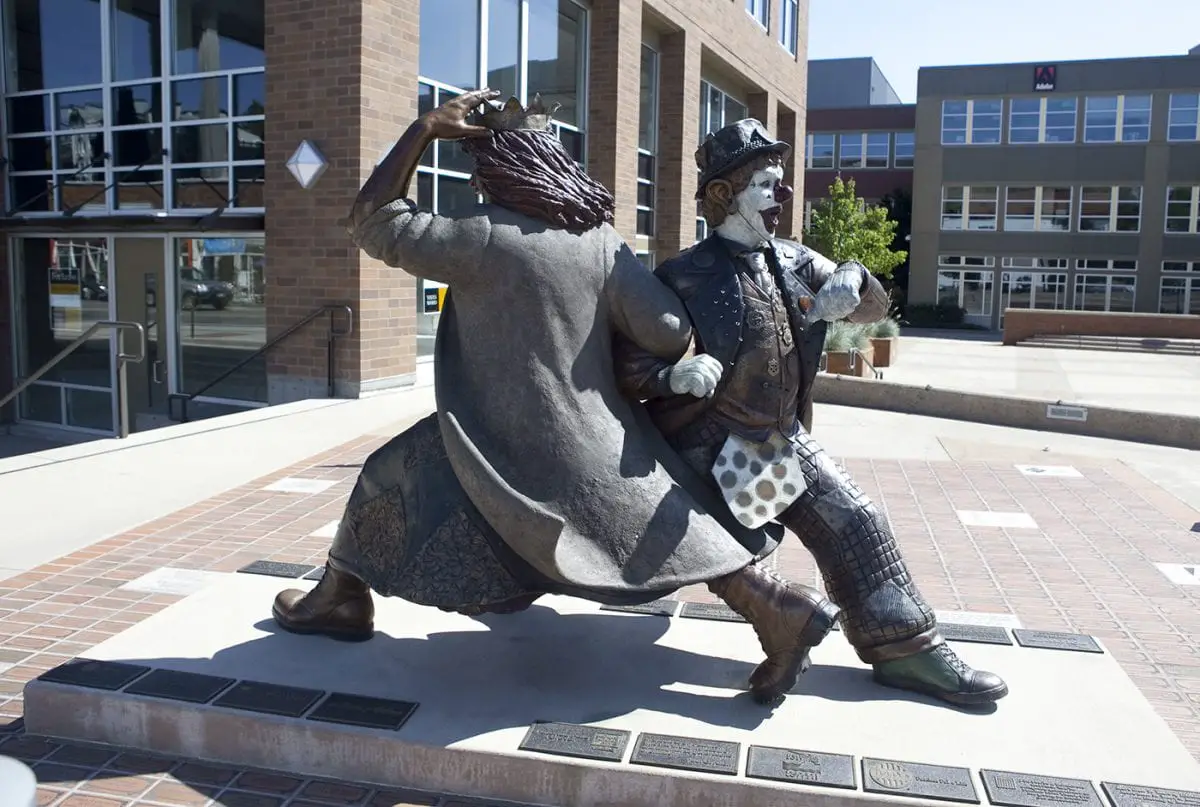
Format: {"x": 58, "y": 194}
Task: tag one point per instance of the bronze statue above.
{"x": 536, "y": 475}
{"x": 760, "y": 308}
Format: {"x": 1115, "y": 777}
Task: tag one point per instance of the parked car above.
{"x": 196, "y": 290}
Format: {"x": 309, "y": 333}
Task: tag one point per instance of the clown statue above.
{"x": 739, "y": 411}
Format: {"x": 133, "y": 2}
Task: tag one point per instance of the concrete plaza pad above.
{"x": 479, "y": 684}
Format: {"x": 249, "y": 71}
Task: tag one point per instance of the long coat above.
{"x": 572, "y": 477}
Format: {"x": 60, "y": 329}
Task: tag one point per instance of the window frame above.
{"x": 1108, "y": 270}
{"x": 912, "y": 159}
{"x": 1039, "y": 203}
{"x": 1194, "y": 109}
{"x": 1193, "y": 217}
{"x": 1114, "y": 204}
{"x": 1034, "y": 271}
{"x": 1189, "y": 277}
{"x": 647, "y": 212}
{"x": 706, "y": 89}
{"x": 810, "y": 145}
{"x": 969, "y": 121}
{"x": 760, "y": 12}
{"x": 985, "y": 266}
{"x": 966, "y": 215}
{"x": 1121, "y": 118}
{"x": 1044, "y": 113}
{"x": 789, "y": 26}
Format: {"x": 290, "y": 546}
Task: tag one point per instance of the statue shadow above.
{"x": 538, "y": 665}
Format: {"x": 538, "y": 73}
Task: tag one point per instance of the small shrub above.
{"x": 861, "y": 336}
{"x": 839, "y": 337}
{"x": 886, "y": 328}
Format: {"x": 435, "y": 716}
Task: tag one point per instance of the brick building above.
{"x": 147, "y": 142}
{"x": 873, "y": 145}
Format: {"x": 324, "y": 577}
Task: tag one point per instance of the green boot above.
{"x": 941, "y": 674}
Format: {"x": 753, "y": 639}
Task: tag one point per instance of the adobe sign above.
{"x": 1045, "y": 78}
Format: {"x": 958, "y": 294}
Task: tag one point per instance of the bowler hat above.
{"x": 732, "y": 147}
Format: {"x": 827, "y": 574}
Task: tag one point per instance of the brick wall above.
{"x": 1020, "y": 324}
{"x": 344, "y": 77}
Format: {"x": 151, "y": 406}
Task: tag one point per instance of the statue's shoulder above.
{"x": 696, "y": 259}
{"x": 792, "y": 254}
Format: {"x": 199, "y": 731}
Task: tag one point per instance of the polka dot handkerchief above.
{"x": 758, "y": 480}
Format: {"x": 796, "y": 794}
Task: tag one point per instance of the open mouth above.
{"x": 770, "y": 217}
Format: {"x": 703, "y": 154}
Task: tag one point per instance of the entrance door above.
{"x": 140, "y": 292}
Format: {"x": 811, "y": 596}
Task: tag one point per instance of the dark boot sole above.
{"x": 340, "y": 634}
{"x": 983, "y": 698}
{"x": 819, "y": 625}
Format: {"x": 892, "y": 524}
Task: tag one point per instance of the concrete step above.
{"x": 1175, "y": 347}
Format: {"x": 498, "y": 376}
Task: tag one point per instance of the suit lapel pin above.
{"x": 805, "y": 303}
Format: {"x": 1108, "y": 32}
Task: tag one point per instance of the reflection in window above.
{"x": 1183, "y": 209}
{"x": 820, "y": 151}
{"x": 136, "y": 40}
{"x": 647, "y": 141}
{"x": 449, "y": 51}
{"x": 1094, "y": 292}
{"x": 215, "y": 35}
{"x": 1180, "y": 293}
{"x": 222, "y": 316}
{"x": 971, "y": 122}
{"x": 503, "y": 47}
{"x": 54, "y": 43}
{"x": 1032, "y": 284}
{"x": 906, "y": 149}
{"x": 1183, "y": 117}
{"x": 556, "y": 52}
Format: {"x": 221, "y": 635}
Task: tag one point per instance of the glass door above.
{"x": 139, "y": 290}
{"x": 62, "y": 287}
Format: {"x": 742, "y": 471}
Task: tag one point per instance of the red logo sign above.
{"x": 1045, "y": 78}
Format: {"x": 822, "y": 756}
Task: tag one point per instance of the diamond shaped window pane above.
{"x": 306, "y": 164}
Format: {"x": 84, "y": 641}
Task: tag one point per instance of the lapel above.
{"x": 797, "y": 294}
{"x": 715, "y": 304}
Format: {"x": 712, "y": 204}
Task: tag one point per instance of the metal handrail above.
{"x": 855, "y": 353}
{"x": 330, "y": 343}
{"x": 123, "y": 358}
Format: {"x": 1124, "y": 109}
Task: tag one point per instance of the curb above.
{"x": 1155, "y": 428}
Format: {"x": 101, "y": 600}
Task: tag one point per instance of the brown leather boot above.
{"x": 339, "y": 606}
{"x": 789, "y": 619}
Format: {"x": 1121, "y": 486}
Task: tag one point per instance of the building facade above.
{"x": 1058, "y": 186}
{"x": 848, "y": 83}
{"x": 147, "y": 179}
{"x": 873, "y": 145}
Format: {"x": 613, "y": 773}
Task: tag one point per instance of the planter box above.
{"x": 885, "y": 351}
{"x": 839, "y": 363}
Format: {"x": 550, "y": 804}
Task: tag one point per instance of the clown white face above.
{"x": 756, "y": 210}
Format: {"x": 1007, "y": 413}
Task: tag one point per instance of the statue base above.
{"x": 569, "y": 704}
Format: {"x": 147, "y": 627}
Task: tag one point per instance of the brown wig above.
{"x": 530, "y": 172}
{"x": 717, "y": 202}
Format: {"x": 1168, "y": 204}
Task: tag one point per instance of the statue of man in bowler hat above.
{"x": 740, "y": 410}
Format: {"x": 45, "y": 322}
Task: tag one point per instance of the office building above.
{"x": 184, "y": 165}
{"x": 1072, "y": 186}
{"x": 848, "y": 83}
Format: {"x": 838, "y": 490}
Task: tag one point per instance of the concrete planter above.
{"x": 838, "y": 363}
{"x": 885, "y": 351}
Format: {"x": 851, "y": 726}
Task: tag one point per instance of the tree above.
{"x": 844, "y": 228}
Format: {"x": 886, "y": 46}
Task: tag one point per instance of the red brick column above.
{"x": 343, "y": 77}
{"x": 614, "y": 88}
{"x": 790, "y": 127}
{"x": 678, "y": 134}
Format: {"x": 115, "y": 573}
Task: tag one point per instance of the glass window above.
{"x": 1107, "y": 210}
{"x": 967, "y": 289}
{"x": 821, "y": 150}
{"x": 953, "y": 207}
{"x": 556, "y": 50}
{"x": 1033, "y": 289}
{"x": 1117, "y": 119}
{"x": 982, "y": 204}
{"x": 850, "y": 150}
{"x": 986, "y": 122}
{"x": 879, "y": 146}
{"x": 1180, "y": 294}
{"x": 136, "y": 40}
{"x": 906, "y": 149}
{"x": 54, "y": 43}
{"x": 1041, "y": 120}
{"x": 971, "y": 122}
{"x": 1100, "y": 120}
{"x": 503, "y": 47}
{"x": 1183, "y": 209}
{"x": 1105, "y": 292}
{"x": 1025, "y": 120}
{"x": 789, "y": 31}
{"x": 647, "y": 141}
{"x": 210, "y": 36}
{"x": 449, "y": 52}
{"x": 1135, "y": 118}
{"x": 954, "y": 122}
{"x": 1183, "y": 119}
{"x": 1040, "y": 209}
{"x": 760, "y": 10}
{"x": 1020, "y": 209}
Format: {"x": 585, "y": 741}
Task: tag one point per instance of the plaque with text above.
{"x": 1054, "y": 640}
{"x": 687, "y": 753}
{"x": 176, "y": 685}
{"x": 982, "y": 634}
{"x": 715, "y": 611}
{"x": 1026, "y": 790}
{"x": 270, "y": 699}
{"x": 107, "y": 675}
{"x": 364, "y": 712}
{"x": 921, "y": 781}
{"x": 571, "y": 740}
{"x": 1141, "y": 796}
{"x": 272, "y": 568}
{"x": 800, "y": 767}
{"x": 655, "y": 608}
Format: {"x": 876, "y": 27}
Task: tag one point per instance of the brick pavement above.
{"x": 1088, "y": 567}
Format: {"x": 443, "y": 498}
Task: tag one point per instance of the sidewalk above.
{"x": 1085, "y": 563}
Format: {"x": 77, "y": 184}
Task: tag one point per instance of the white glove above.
{"x": 698, "y": 376}
{"x": 839, "y": 297}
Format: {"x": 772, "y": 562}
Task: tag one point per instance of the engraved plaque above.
{"x": 570, "y": 740}
{"x": 922, "y": 781}
{"x": 1027, "y": 790}
{"x": 1140, "y": 796}
{"x": 710, "y": 610}
{"x": 180, "y": 686}
{"x": 983, "y": 634}
{"x": 686, "y": 753}
{"x": 800, "y": 767}
{"x": 107, "y": 675}
{"x": 1054, "y": 640}
{"x": 273, "y": 568}
{"x": 271, "y": 699}
{"x": 655, "y": 608}
{"x": 367, "y": 713}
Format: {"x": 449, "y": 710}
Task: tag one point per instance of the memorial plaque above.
{"x": 1026, "y": 790}
{"x": 571, "y": 740}
{"x": 1141, "y": 796}
{"x": 920, "y": 781}
{"x": 367, "y": 713}
{"x": 180, "y": 686}
{"x": 655, "y": 608}
{"x": 715, "y": 611}
{"x": 270, "y": 699}
{"x": 1054, "y": 640}
{"x": 686, "y": 753}
{"x": 800, "y": 767}
{"x": 982, "y": 634}
{"x": 272, "y": 568}
{"x": 315, "y": 574}
{"x": 107, "y": 675}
